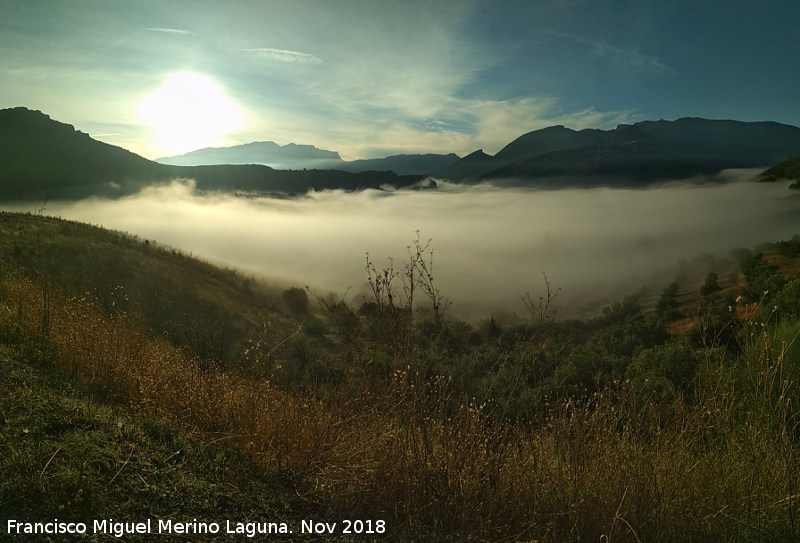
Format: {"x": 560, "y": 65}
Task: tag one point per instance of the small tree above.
{"x": 667, "y": 307}
{"x": 711, "y": 286}
{"x": 394, "y": 306}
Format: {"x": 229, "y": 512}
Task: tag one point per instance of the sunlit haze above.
{"x": 189, "y": 111}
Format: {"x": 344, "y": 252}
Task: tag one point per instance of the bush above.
{"x": 296, "y": 300}
{"x": 711, "y": 285}
{"x": 763, "y": 279}
{"x": 788, "y": 300}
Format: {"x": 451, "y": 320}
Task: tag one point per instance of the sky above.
{"x": 373, "y": 78}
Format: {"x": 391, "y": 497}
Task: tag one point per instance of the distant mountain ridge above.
{"x": 298, "y": 157}
{"x": 631, "y": 154}
{"x": 413, "y": 164}
{"x": 42, "y": 158}
{"x": 269, "y": 153}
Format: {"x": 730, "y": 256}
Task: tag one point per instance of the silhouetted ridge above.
{"x": 42, "y": 158}
{"x": 631, "y": 155}
{"x": 787, "y": 169}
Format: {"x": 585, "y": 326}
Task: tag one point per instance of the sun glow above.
{"x": 189, "y": 111}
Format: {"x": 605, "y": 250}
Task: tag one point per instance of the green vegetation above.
{"x": 138, "y": 382}
{"x": 788, "y": 169}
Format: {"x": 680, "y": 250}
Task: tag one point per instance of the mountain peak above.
{"x": 289, "y": 156}
{"x": 476, "y": 154}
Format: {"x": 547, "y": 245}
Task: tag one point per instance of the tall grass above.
{"x": 721, "y": 465}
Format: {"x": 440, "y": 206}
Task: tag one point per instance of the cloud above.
{"x": 631, "y": 59}
{"x": 284, "y": 55}
{"x": 498, "y": 122}
{"x": 627, "y": 59}
{"x": 169, "y": 30}
{"x": 491, "y": 244}
{"x": 459, "y": 125}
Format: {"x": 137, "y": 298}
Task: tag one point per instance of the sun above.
{"x": 189, "y": 111}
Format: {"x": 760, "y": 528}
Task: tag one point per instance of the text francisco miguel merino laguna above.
{"x": 165, "y": 526}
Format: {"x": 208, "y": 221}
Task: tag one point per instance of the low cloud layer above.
{"x": 491, "y": 245}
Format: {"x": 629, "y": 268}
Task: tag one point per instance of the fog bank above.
{"x": 491, "y": 245}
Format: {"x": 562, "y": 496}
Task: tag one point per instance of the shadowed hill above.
{"x": 213, "y": 312}
{"x": 632, "y": 155}
{"x": 787, "y": 169}
{"x": 42, "y": 158}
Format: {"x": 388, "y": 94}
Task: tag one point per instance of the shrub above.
{"x": 296, "y": 300}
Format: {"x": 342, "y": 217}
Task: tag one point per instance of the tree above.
{"x": 667, "y": 307}
{"x": 711, "y": 286}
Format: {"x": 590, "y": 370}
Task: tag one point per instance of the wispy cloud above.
{"x": 631, "y": 59}
{"x": 284, "y": 55}
{"x": 461, "y": 126}
{"x": 623, "y": 58}
{"x": 169, "y": 30}
{"x": 498, "y": 122}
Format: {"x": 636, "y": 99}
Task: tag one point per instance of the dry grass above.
{"x": 723, "y": 467}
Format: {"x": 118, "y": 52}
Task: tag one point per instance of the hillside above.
{"x": 214, "y": 312}
{"x": 787, "y": 169}
{"x": 41, "y": 158}
{"x": 409, "y": 164}
{"x": 130, "y": 388}
{"x": 70, "y": 454}
{"x": 632, "y": 155}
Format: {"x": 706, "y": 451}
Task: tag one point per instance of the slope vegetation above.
{"x": 610, "y": 428}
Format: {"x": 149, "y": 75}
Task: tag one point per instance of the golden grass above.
{"x": 724, "y": 467}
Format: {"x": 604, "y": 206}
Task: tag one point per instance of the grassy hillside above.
{"x": 68, "y": 454}
{"x": 787, "y": 169}
{"x": 215, "y": 312}
{"x": 141, "y": 383}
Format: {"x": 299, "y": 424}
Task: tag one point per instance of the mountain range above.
{"x": 633, "y": 154}
{"x": 629, "y": 154}
{"x": 41, "y": 157}
{"x": 268, "y": 153}
{"x": 297, "y": 157}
